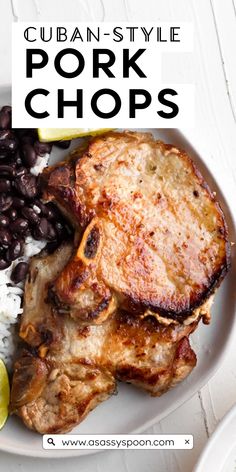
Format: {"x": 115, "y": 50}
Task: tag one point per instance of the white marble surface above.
{"x": 213, "y": 69}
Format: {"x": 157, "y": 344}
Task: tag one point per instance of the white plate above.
{"x": 220, "y": 451}
{"x": 132, "y": 410}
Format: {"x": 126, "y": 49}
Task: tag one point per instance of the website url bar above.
{"x": 118, "y": 441}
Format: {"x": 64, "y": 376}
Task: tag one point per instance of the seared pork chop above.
{"x": 154, "y": 239}
{"x": 69, "y": 367}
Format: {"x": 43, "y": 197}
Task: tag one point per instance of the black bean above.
{"x": 3, "y": 154}
{"x": 5, "y": 117}
{"x": 52, "y": 246}
{"x": 9, "y": 161}
{"x": 63, "y": 144}
{"x": 5, "y": 185}
{"x": 8, "y": 170}
{"x": 27, "y": 232}
{"x": 6, "y": 108}
{"x": 42, "y": 207}
{"x": 8, "y": 143}
{"x": 42, "y": 148}
{"x": 59, "y": 229}
{"x": 19, "y": 226}
{"x": 5, "y": 238}
{"x": 19, "y": 272}
{"x": 29, "y": 155}
{"x": 4, "y": 264}
{"x": 51, "y": 211}
{"x": 26, "y": 185}
{"x": 51, "y": 232}
{"x": 27, "y": 139}
{"x": 35, "y": 208}
{"x": 19, "y": 190}
{"x": 18, "y": 160}
{"x": 5, "y": 202}
{"x": 4, "y": 221}
{"x": 12, "y": 214}
{"x": 21, "y": 171}
{"x": 26, "y": 135}
{"x": 32, "y": 132}
{"x": 15, "y": 250}
{"x": 18, "y": 202}
{"x": 30, "y": 215}
{"x": 41, "y": 231}
{"x": 20, "y": 132}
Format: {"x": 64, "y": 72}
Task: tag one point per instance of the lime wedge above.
{"x": 4, "y": 394}
{"x": 60, "y": 134}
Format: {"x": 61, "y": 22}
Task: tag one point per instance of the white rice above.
{"x": 41, "y": 163}
{"x": 11, "y": 294}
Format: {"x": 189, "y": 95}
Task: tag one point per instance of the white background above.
{"x": 213, "y": 69}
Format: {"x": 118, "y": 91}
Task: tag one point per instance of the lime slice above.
{"x": 4, "y": 394}
{"x": 60, "y": 134}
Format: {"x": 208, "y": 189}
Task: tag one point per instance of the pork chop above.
{"x": 154, "y": 239}
{"x": 67, "y": 367}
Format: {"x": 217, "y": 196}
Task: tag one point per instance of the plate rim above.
{"x": 49, "y": 454}
{"x": 221, "y": 426}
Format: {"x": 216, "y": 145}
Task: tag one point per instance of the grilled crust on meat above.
{"x": 154, "y": 238}
{"x": 52, "y": 395}
{"x": 63, "y": 398}
{"x": 69, "y": 367}
{"x": 153, "y": 246}
{"x": 40, "y": 324}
